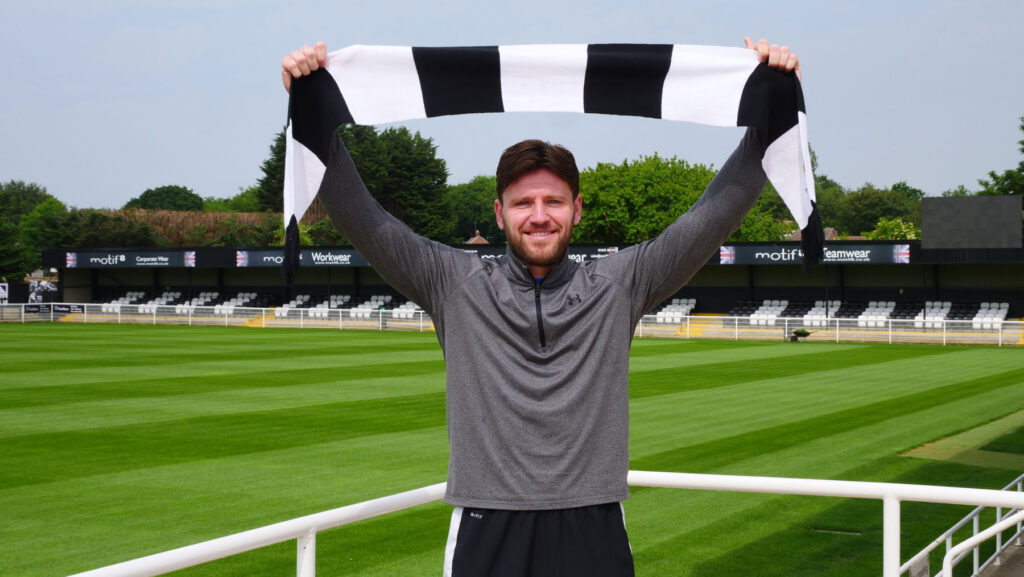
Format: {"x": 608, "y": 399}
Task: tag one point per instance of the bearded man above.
{"x": 536, "y": 346}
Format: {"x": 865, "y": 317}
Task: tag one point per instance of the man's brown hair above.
{"x": 531, "y": 155}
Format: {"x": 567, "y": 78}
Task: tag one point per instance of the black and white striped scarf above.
{"x": 704, "y": 84}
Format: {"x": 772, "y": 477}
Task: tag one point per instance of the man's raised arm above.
{"x": 417, "y": 267}
{"x": 665, "y": 263}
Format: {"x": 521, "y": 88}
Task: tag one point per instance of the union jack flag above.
{"x": 70, "y": 259}
{"x": 190, "y": 258}
{"x": 901, "y": 253}
{"x": 241, "y": 258}
{"x": 727, "y": 255}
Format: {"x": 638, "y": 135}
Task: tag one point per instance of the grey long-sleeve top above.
{"x": 537, "y": 394}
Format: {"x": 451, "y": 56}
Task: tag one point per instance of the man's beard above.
{"x": 549, "y": 260}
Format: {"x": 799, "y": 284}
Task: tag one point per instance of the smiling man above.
{"x": 538, "y": 202}
{"x": 536, "y": 347}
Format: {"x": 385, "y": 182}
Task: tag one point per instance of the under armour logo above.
{"x": 574, "y": 300}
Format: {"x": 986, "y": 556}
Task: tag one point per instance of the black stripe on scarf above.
{"x": 626, "y": 79}
{"x": 460, "y": 80}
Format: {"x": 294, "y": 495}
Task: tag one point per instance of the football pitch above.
{"x": 122, "y": 441}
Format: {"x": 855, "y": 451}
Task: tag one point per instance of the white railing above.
{"x": 936, "y": 331}
{"x": 304, "y": 529}
{"x": 974, "y": 518}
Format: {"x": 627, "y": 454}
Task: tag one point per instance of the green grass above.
{"x": 1010, "y": 443}
{"x": 121, "y": 441}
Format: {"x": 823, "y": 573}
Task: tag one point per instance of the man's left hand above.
{"x": 777, "y": 57}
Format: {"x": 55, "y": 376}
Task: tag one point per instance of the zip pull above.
{"x": 540, "y": 317}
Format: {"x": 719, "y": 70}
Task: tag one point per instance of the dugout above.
{"x": 851, "y": 271}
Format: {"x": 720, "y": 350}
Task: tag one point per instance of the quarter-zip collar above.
{"x": 519, "y": 274}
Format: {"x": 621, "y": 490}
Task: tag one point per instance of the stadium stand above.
{"x": 167, "y": 298}
{"x": 819, "y": 314}
{"x": 674, "y": 310}
{"x": 129, "y": 298}
{"x": 322, "y": 309}
{"x": 204, "y": 299}
{"x": 365, "y": 310}
{"x": 299, "y": 302}
{"x": 906, "y": 310}
{"x": 797, "y": 309}
{"x": 767, "y": 312}
{"x": 875, "y": 314}
{"x": 850, "y": 309}
{"x": 989, "y": 315}
{"x": 933, "y": 314}
{"x": 743, "y": 309}
{"x": 319, "y": 306}
{"x": 242, "y": 299}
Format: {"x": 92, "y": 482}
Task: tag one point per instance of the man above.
{"x": 537, "y": 346}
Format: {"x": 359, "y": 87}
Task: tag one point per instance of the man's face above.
{"x": 537, "y": 213}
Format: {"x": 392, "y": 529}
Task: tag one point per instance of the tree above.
{"x": 231, "y": 232}
{"x": 415, "y": 185}
{"x": 862, "y": 208}
{"x": 247, "y": 200}
{"x": 94, "y": 228}
{"x": 45, "y": 225}
{"x": 958, "y": 192}
{"x": 1009, "y": 181}
{"x": 894, "y": 229}
{"x": 634, "y": 201}
{"x": 911, "y": 193}
{"x": 473, "y": 206}
{"x": 760, "y": 225}
{"x": 11, "y": 255}
{"x": 400, "y": 169}
{"x": 270, "y": 188}
{"x": 830, "y": 196}
{"x": 323, "y": 233}
{"x": 52, "y": 225}
{"x": 20, "y": 198}
{"x": 170, "y": 197}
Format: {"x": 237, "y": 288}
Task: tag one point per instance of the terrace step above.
{"x": 1012, "y": 565}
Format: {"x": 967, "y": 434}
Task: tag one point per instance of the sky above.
{"x": 101, "y": 100}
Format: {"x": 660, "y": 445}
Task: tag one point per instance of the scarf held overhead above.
{"x": 709, "y": 85}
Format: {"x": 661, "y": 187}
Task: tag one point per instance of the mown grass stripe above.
{"x": 166, "y": 355}
{"x": 707, "y": 456}
{"x": 684, "y": 357}
{"x": 741, "y": 370}
{"x": 227, "y": 365}
{"x": 173, "y": 386}
{"x": 76, "y": 454}
{"x": 122, "y": 412}
{"x": 1010, "y": 443}
{"x": 666, "y": 421}
{"x": 154, "y": 347}
{"x": 654, "y": 347}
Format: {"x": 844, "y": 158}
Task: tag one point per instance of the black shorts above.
{"x": 588, "y": 541}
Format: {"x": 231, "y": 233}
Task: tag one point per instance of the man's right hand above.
{"x": 302, "y": 62}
